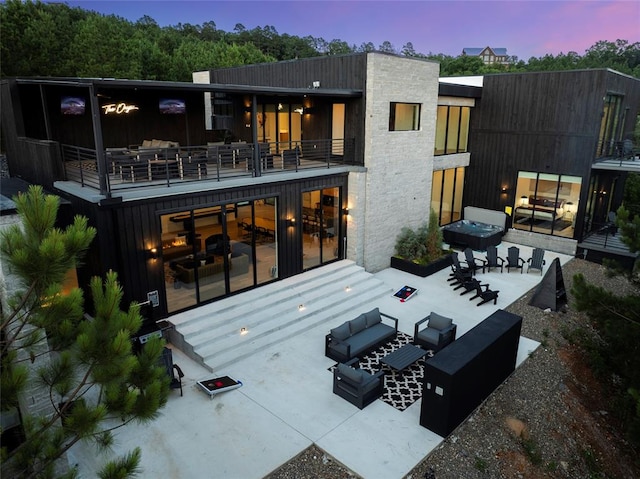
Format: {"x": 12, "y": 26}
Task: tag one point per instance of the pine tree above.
{"x": 82, "y": 365}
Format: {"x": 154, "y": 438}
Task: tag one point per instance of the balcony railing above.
{"x": 126, "y": 168}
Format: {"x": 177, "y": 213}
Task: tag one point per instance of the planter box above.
{"x": 422, "y": 270}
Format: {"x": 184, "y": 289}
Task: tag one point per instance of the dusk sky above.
{"x": 526, "y": 29}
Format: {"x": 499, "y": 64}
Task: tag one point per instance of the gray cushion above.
{"x": 341, "y": 332}
{"x": 358, "y": 324}
{"x": 373, "y": 317}
{"x": 430, "y": 335}
{"x": 354, "y": 375}
{"x": 439, "y": 322}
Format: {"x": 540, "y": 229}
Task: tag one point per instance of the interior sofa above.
{"x": 212, "y": 271}
{"x": 359, "y": 336}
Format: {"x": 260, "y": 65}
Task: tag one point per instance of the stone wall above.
{"x": 399, "y": 163}
{"x": 537, "y": 240}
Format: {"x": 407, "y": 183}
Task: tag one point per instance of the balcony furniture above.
{"x": 473, "y": 234}
{"x": 473, "y": 263}
{"x": 226, "y": 156}
{"x": 173, "y": 370}
{"x": 485, "y": 294}
{"x": 291, "y": 158}
{"x": 513, "y": 259}
{"x": 359, "y": 336}
{"x": 403, "y": 357}
{"x": 537, "y": 260}
{"x": 493, "y": 260}
{"x": 356, "y": 385}
{"x": 439, "y": 332}
{"x": 266, "y": 157}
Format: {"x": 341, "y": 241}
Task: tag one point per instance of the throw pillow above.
{"x": 439, "y": 322}
{"x": 358, "y": 324}
{"x": 373, "y": 317}
{"x": 342, "y": 332}
{"x": 354, "y": 375}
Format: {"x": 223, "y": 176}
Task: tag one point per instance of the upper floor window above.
{"x": 452, "y": 129}
{"x": 404, "y": 116}
{"x": 610, "y": 129}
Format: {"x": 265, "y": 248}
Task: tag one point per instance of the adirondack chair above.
{"x": 459, "y": 273}
{"x": 514, "y": 260}
{"x": 486, "y": 295}
{"x": 537, "y": 260}
{"x": 473, "y": 263}
{"x": 493, "y": 260}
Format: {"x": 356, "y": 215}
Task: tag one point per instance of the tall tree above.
{"x": 83, "y": 368}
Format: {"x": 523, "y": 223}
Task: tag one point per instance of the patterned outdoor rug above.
{"x": 401, "y": 389}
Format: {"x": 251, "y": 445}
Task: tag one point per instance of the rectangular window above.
{"x": 446, "y": 194}
{"x": 452, "y": 130}
{"x": 404, "y": 116}
{"x": 609, "y": 125}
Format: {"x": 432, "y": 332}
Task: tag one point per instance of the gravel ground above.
{"x": 548, "y": 420}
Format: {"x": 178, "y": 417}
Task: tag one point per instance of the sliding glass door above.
{"x": 212, "y": 252}
{"x": 320, "y": 226}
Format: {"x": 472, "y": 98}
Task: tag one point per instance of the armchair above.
{"x": 174, "y": 372}
{"x": 356, "y": 385}
{"x": 440, "y": 331}
{"x": 537, "y": 260}
{"x": 486, "y": 295}
{"x": 474, "y": 263}
{"x": 513, "y": 259}
{"x": 493, "y": 260}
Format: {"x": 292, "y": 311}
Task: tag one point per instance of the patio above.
{"x": 286, "y": 402}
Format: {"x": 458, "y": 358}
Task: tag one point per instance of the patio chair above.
{"x": 440, "y": 331}
{"x": 537, "y": 260}
{"x": 356, "y": 385}
{"x": 173, "y": 370}
{"x": 486, "y": 295}
{"x": 514, "y": 260}
{"x": 458, "y": 272}
{"x": 493, "y": 260}
{"x": 290, "y": 158}
{"x": 469, "y": 285}
{"x": 473, "y": 263}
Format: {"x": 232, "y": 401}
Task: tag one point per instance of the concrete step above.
{"x": 211, "y": 334}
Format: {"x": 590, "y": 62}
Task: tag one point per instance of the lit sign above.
{"x": 118, "y": 108}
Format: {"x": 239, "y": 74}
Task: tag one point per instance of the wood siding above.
{"x": 543, "y": 122}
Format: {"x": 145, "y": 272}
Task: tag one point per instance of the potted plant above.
{"x": 420, "y": 251}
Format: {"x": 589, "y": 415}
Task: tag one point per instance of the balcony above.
{"x": 134, "y": 168}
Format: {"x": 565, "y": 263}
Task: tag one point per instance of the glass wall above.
{"x": 281, "y": 122}
{"x": 546, "y": 203}
{"x": 609, "y": 125}
{"x": 446, "y": 194}
{"x": 320, "y": 226}
{"x": 212, "y": 252}
{"x": 452, "y": 129}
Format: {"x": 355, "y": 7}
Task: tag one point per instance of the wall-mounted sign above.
{"x": 153, "y": 298}
{"x": 118, "y": 108}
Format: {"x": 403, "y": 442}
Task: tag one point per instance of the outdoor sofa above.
{"x": 360, "y": 335}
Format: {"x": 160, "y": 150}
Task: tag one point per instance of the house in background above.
{"x": 489, "y": 56}
{"x": 257, "y": 173}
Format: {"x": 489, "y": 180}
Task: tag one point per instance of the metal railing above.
{"x": 126, "y": 168}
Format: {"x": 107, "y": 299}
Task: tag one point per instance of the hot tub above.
{"x": 473, "y": 234}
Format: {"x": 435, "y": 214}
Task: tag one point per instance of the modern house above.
{"x": 489, "y": 56}
{"x": 254, "y": 174}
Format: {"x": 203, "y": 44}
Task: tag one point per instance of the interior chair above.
{"x": 473, "y": 263}
{"x": 216, "y": 245}
{"x": 514, "y": 260}
{"x": 493, "y": 260}
{"x": 356, "y": 385}
{"x": 485, "y": 294}
{"x": 440, "y": 331}
{"x": 173, "y": 370}
{"x": 537, "y": 260}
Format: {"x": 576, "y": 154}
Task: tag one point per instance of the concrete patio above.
{"x": 286, "y": 401}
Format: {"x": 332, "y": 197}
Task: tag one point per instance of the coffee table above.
{"x": 403, "y": 357}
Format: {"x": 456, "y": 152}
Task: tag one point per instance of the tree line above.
{"x": 53, "y": 39}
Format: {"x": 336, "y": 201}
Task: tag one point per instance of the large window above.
{"x": 609, "y": 125}
{"x": 452, "y": 129}
{"x": 404, "y": 116}
{"x": 212, "y": 252}
{"x": 546, "y": 203}
{"x": 446, "y": 194}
